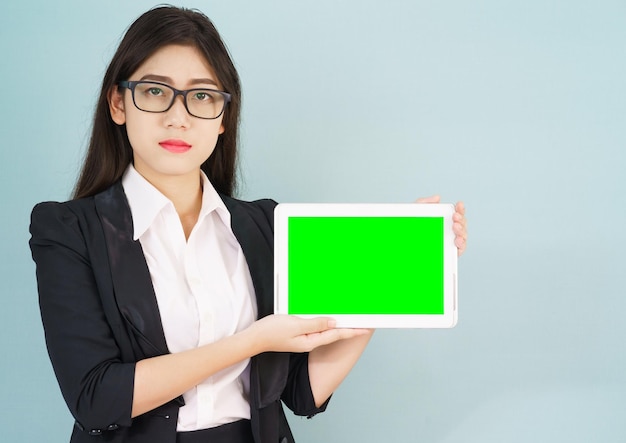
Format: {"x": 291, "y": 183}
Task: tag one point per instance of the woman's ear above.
{"x": 222, "y": 129}
{"x": 116, "y": 105}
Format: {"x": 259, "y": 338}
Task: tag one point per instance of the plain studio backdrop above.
{"x": 517, "y": 108}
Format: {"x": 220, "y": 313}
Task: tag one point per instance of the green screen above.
{"x": 365, "y": 265}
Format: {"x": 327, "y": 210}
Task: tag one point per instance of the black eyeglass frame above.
{"x": 130, "y": 85}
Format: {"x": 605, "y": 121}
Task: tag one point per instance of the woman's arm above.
{"x": 184, "y": 370}
{"x": 330, "y": 364}
{"x": 95, "y": 380}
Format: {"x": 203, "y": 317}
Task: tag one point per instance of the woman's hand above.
{"x": 287, "y": 333}
{"x": 459, "y": 226}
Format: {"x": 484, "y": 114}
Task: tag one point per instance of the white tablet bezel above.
{"x": 281, "y": 234}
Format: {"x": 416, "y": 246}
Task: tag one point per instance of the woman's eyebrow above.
{"x": 168, "y": 80}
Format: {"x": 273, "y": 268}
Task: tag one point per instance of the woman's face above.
{"x": 170, "y": 143}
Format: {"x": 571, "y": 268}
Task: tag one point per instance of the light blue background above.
{"x": 516, "y": 107}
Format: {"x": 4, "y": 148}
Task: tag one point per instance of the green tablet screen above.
{"x": 365, "y": 265}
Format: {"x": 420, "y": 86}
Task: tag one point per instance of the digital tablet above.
{"x": 367, "y": 265}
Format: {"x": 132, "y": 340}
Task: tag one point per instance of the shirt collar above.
{"x": 211, "y": 201}
{"x": 146, "y": 201}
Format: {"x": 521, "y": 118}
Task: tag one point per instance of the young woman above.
{"x": 155, "y": 284}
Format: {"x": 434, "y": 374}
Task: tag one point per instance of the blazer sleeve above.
{"x": 298, "y": 395}
{"x": 96, "y": 384}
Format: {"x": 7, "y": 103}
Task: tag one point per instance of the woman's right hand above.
{"x": 288, "y": 333}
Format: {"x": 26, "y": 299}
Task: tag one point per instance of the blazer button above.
{"x": 95, "y": 432}
{"x": 113, "y": 427}
{"x": 284, "y": 440}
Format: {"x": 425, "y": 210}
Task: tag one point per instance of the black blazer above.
{"x": 100, "y": 317}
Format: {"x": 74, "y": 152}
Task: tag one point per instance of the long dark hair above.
{"x": 109, "y": 152}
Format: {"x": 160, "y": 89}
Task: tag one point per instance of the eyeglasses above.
{"x": 159, "y": 97}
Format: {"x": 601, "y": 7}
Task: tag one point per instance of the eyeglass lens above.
{"x": 155, "y": 97}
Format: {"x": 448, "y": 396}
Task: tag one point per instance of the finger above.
{"x": 460, "y": 244}
{"x": 316, "y": 339}
{"x": 432, "y": 199}
{"x": 459, "y": 230}
{"x": 460, "y": 217}
{"x": 462, "y": 223}
{"x": 460, "y": 208}
{"x": 344, "y": 333}
{"x": 318, "y": 324}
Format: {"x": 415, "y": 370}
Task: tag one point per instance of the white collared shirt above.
{"x": 203, "y": 289}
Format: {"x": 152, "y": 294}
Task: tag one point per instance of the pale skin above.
{"x": 332, "y": 351}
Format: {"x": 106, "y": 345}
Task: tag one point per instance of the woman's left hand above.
{"x": 459, "y": 222}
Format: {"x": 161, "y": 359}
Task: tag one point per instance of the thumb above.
{"x": 432, "y": 199}
{"x": 318, "y": 324}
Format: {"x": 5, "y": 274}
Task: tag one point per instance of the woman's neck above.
{"x": 185, "y": 192}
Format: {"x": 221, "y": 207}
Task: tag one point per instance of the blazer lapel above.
{"x": 250, "y": 225}
{"x": 256, "y": 239}
{"x": 132, "y": 284}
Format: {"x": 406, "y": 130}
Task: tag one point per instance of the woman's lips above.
{"x": 175, "y": 146}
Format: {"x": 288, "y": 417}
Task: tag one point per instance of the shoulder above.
{"x": 66, "y": 219}
{"x": 77, "y": 209}
{"x": 47, "y": 215}
{"x": 262, "y": 204}
{"x": 54, "y": 210}
{"x": 257, "y": 209}
{"x": 56, "y": 225}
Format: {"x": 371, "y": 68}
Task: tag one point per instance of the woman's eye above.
{"x": 155, "y": 91}
{"x": 202, "y": 96}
